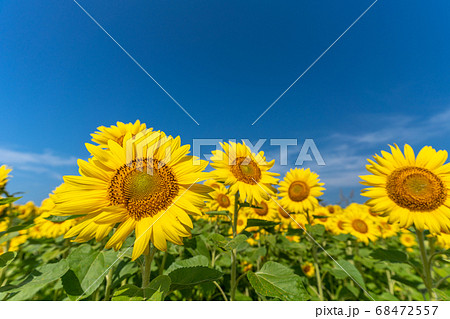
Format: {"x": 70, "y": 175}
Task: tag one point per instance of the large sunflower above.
{"x": 149, "y": 188}
{"x": 245, "y": 172}
{"x": 299, "y": 190}
{"x": 116, "y": 133}
{"x": 410, "y": 190}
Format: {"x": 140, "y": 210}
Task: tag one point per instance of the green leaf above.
{"x": 316, "y": 230}
{"x": 218, "y": 213}
{"x": 128, "y": 293}
{"x": 218, "y": 239}
{"x": 160, "y": 284}
{"x": 71, "y": 285}
{"x": 442, "y": 294}
{"x": 394, "y": 256}
{"x": 41, "y": 277}
{"x": 277, "y": 281}
{"x": 8, "y": 200}
{"x": 235, "y": 242}
{"x": 60, "y": 219}
{"x": 342, "y": 237}
{"x": 260, "y": 223}
{"x": 7, "y": 258}
{"x": 17, "y": 228}
{"x": 90, "y": 266}
{"x": 348, "y": 270}
{"x": 249, "y": 205}
{"x": 199, "y": 260}
{"x": 157, "y": 290}
{"x": 187, "y": 277}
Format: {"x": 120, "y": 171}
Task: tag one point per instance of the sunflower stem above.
{"x": 163, "y": 263}
{"x": 147, "y": 267}
{"x": 234, "y": 251}
{"x": 318, "y": 277}
{"x": 108, "y": 284}
{"x": 426, "y": 266}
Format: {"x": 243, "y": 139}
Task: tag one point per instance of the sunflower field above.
{"x": 144, "y": 220}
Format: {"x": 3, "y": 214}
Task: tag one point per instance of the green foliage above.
{"x": 391, "y": 255}
{"x": 7, "y": 258}
{"x": 188, "y": 277}
{"x": 88, "y": 269}
{"x": 8, "y": 200}
{"x": 277, "y": 281}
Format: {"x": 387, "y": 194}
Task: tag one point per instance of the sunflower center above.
{"x": 331, "y": 209}
{"x": 283, "y": 213}
{"x": 306, "y": 268}
{"x": 360, "y": 226}
{"x": 416, "y": 189}
{"x": 246, "y": 170}
{"x": 223, "y": 200}
{"x": 240, "y": 222}
{"x": 298, "y": 191}
{"x": 263, "y": 211}
{"x": 340, "y": 225}
{"x": 143, "y": 187}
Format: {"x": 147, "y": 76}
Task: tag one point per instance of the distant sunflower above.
{"x": 443, "y": 240}
{"x": 299, "y": 190}
{"x": 308, "y": 269}
{"x": 152, "y": 192}
{"x": 4, "y": 174}
{"x": 220, "y": 199}
{"x": 360, "y": 226}
{"x": 408, "y": 240}
{"x": 116, "y": 133}
{"x": 26, "y": 211}
{"x": 410, "y": 190}
{"x": 387, "y": 229}
{"x": 334, "y": 209}
{"x": 321, "y": 216}
{"x": 267, "y": 210}
{"x": 284, "y": 217}
{"x": 46, "y": 228}
{"x": 336, "y": 224}
{"x": 245, "y": 172}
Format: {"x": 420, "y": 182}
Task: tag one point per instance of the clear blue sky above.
{"x": 385, "y": 81}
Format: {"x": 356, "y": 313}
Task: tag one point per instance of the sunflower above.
{"x": 46, "y": 228}
{"x": 4, "y": 174}
{"x": 265, "y": 209}
{"x": 27, "y": 211}
{"x": 360, "y": 225}
{"x": 387, "y": 229}
{"x": 334, "y": 209}
{"x": 443, "y": 240}
{"x": 116, "y": 133}
{"x": 321, "y": 217}
{"x": 308, "y": 269}
{"x": 410, "y": 190}
{"x": 336, "y": 224}
{"x": 213, "y": 183}
{"x": 284, "y": 217}
{"x": 408, "y": 240}
{"x": 149, "y": 189}
{"x": 245, "y": 172}
{"x": 220, "y": 199}
{"x": 299, "y": 190}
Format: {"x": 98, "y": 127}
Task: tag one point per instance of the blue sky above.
{"x": 385, "y": 81}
